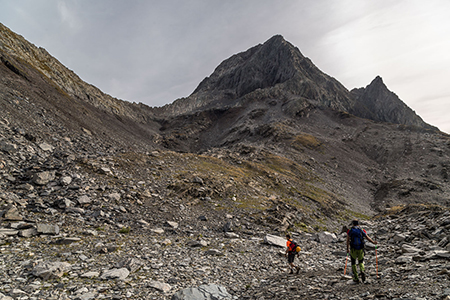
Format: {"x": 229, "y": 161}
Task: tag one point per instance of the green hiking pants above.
{"x": 357, "y": 255}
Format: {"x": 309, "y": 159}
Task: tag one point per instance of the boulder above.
{"x": 42, "y": 178}
{"x": 120, "y": 274}
{"x": 11, "y": 213}
{"x": 51, "y": 270}
{"x": 275, "y": 240}
{"x": 326, "y": 237}
{"x": 47, "y": 229}
{"x": 203, "y": 292}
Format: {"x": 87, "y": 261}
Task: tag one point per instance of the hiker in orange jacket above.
{"x": 291, "y": 252}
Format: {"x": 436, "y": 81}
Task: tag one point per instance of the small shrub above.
{"x": 124, "y": 230}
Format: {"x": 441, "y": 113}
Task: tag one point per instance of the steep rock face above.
{"x": 14, "y": 45}
{"x": 269, "y": 68}
{"x": 377, "y": 103}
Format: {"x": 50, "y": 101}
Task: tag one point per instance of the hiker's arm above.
{"x": 348, "y": 243}
{"x": 370, "y": 240}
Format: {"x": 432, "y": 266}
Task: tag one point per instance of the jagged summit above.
{"x": 262, "y": 66}
{"x": 377, "y": 102}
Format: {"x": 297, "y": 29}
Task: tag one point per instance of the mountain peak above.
{"x": 377, "y": 80}
{"x": 275, "y": 64}
{"x": 377, "y": 102}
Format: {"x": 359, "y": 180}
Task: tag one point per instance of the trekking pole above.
{"x": 376, "y": 259}
{"x": 346, "y": 260}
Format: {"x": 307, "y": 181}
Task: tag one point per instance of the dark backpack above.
{"x": 356, "y": 238}
{"x": 293, "y": 247}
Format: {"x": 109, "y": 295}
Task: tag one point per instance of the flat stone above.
{"x": 8, "y": 231}
{"x": 203, "y": 292}
{"x": 84, "y": 200}
{"x": 46, "y": 147}
{"x": 120, "y": 274}
{"x": 51, "y": 270}
{"x": 66, "y": 241}
{"x": 275, "y": 240}
{"x": 47, "y": 229}
{"x": 160, "y": 286}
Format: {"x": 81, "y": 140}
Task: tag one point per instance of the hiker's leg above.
{"x": 291, "y": 262}
{"x": 353, "y": 258}
{"x": 361, "y": 260}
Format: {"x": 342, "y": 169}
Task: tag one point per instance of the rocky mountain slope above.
{"x": 105, "y": 199}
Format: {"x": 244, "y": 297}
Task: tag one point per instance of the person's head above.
{"x": 355, "y": 222}
{"x": 288, "y": 236}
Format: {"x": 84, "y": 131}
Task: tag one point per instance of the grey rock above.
{"x": 172, "y": 224}
{"x": 4, "y": 297}
{"x": 46, "y": 147}
{"x": 83, "y": 200}
{"x": 231, "y": 235}
{"x": 399, "y": 237}
{"x": 326, "y": 237}
{"x": 11, "y": 213}
{"x": 42, "y": 178}
{"x": 410, "y": 249}
{"x": 51, "y": 270}
{"x": 66, "y": 241}
{"x": 120, "y": 274}
{"x": 131, "y": 263}
{"x": 8, "y": 147}
{"x": 203, "y": 292}
{"x": 65, "y": 180}
{"x": 8, "y": 231}
{"x": 214, "y": 252}
{"x": 27, "y": 233}
{"x": 47, "y": 229}
{"x": 228, "y": 227}
{"x": 275, "y": 240}
{"x": 114, "y": 196}
{"x": 160, "y": 286}
{"x": 105, "y": 171}
{"x": 196, "y": 243}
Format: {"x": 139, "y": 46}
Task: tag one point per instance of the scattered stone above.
{"x": 42, "y": 178}
{"x": 326, "y": 237}
{"x": 275, "y": 240}
{"x": 203, "y": 292}
{"x": 66, "y": 241}
{"x": 47, "y": 229}
{"x": 51, "y": 270}
{"x": 83, "y": 200}
{"x": 120, "y": 274}
{"x": 160, "y": 286}
{"x": 66, "y": 180}
{"x": 171, "y": 224}
{"x": 46, "y": 147}
{"x": 11, "y": 213}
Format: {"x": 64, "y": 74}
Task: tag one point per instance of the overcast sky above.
{"x": 157, "y": 51}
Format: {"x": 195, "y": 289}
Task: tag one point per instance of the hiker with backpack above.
{"x": 355, "y": 247}
{"x": 292, "y": 250}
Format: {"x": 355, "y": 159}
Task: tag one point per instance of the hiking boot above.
{"x": 298, "y": 270}
{"x": 355, "y": 281}
{"x": 363, "y": 276}
{"x": 291, "y": 271}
